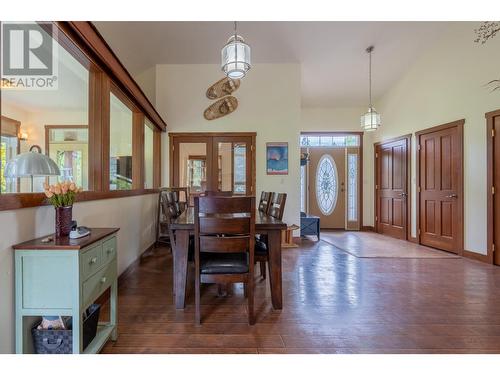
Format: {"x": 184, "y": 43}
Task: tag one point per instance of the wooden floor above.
{"x": 333, "y": 303}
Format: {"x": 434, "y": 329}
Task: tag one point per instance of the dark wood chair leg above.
{"x": 245, "y": 290}
{"x": 263, "y": 269}
{"x": 250, "y": 290}
{"x": 197, "y": 317}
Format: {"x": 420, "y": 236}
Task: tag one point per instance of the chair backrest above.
{"x": 169, "y": 205}
{"x": 265, "y": 198}
{"x": 277, "y": 205}
{"x": 224, "y": 225}
{"x": 211, "y": 193}
{"x": 182, "y": 196}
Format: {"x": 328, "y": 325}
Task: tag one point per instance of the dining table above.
{"x": 183, "y": 227}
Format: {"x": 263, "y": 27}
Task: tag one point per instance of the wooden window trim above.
{"x": 88, "y": 38}
{"x": 106, "y": 74}
{"x": 16, "y": 201}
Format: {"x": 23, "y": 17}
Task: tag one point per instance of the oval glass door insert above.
{"x": 326, "y": 184}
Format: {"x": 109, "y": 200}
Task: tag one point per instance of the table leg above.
{"x": 274, "y": 243}
{"x": 180, "y": 250}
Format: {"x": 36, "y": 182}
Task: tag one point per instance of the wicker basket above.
{"x": 60, "y": 341}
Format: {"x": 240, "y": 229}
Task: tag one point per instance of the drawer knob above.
{"x": 103, "y": 280}
{"x": 93, "y": 260}
{"x": 110, "y": 251}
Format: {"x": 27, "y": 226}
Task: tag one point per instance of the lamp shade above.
{"x": 370, "y": 121}
{"x": 31, "y": 164}
{"x": 235, "y": 57}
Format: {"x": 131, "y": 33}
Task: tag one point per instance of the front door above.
{"x": 441, "y": 187}
{"x": 327, "y": 187}
{"x": 391, "y": 190}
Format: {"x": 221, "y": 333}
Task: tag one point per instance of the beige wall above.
{"x": 135, "y": 216}
{"x": 269, "y": 104}
{"x": 447, "y": 83}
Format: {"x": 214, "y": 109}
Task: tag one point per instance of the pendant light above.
{"x": 370, "y": 121}
{"x": 235, "y": 56}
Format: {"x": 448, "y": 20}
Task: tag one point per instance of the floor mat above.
{"x": 374, "y": 245}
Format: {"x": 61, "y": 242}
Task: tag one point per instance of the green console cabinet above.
{"x": 64, "y": 277}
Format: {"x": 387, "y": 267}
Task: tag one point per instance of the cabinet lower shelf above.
{"x": 104, "y": 332}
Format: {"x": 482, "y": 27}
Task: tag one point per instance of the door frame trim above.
{"x": 459, "y": 124}
{"x": 406, "y": 137}
{"x": 490, "y": 171}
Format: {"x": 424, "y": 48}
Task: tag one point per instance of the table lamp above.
{"x": 31, "y": 164}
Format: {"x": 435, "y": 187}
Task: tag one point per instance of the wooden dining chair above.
{"x": 275, "y": 209}
{"x": 170, "y": 196}
{"x": 224, "y": 245}
{"x": 265, "y": 198}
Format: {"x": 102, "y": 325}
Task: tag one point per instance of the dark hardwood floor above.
{"x": 333, "y": 303}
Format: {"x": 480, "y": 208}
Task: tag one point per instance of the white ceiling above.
{"x": 332, "y": 54}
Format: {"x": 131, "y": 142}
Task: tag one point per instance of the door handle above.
{"x": 452, "y": 196}
{"x": 403, "y": 195}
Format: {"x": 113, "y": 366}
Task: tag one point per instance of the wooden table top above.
{"x": 66, "y": 243}
{"x": 262, "y": 221}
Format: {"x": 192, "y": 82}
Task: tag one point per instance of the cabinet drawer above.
{"x": 91, "y": 261}
{"x": 109, "y": 250}
{"x": 98, "y": 283}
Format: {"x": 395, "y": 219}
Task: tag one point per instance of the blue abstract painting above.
{"x": 277, "y": 158}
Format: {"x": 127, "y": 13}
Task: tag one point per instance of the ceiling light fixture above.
{"x": 370, "y": 121}
{"x": 235, "y": 56}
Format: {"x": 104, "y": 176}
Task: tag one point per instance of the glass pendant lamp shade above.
{"x": 370, "y": 121}
{"x": 235, "y": 57}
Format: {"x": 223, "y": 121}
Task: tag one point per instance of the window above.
{"x": 329, "y": 140}
{"x": 240, "y": 168}
{"x": 326, "y": 184}
{"x": 120, "y": 145}
{"x": 34, "y": 109}
{"x": 67, "y": 145}
{"x": 352, "y": 187}
{"x": 196, "y": 173}
{"x": 148, "y": 154}
{"x": 69, "y": 121}
{"x": 303, "y": 188}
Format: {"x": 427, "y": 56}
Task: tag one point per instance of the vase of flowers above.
{"x": 62, "y": 196}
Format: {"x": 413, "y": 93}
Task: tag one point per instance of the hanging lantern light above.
{"x": 370, "y": 121}
{"x": 235, "y": 56}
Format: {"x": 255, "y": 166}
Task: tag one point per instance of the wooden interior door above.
{"x": 494, "y": 186}
{"x": 192, "y": 159}
{"x": 233, "y": 165}
{"x": 391, "y": 187}
{"x": 213, "y": 161}
{"x": 327, "y": 186}
{"x": 440, "y": 172}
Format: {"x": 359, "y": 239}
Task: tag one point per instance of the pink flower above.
{"x": 72, "y": 186}
{"x": 64, "y": 188}
{"x": 49, "y": 194}
{"x": 57, "y": 189}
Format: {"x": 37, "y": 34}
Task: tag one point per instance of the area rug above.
{"x": 374, "y": 245}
